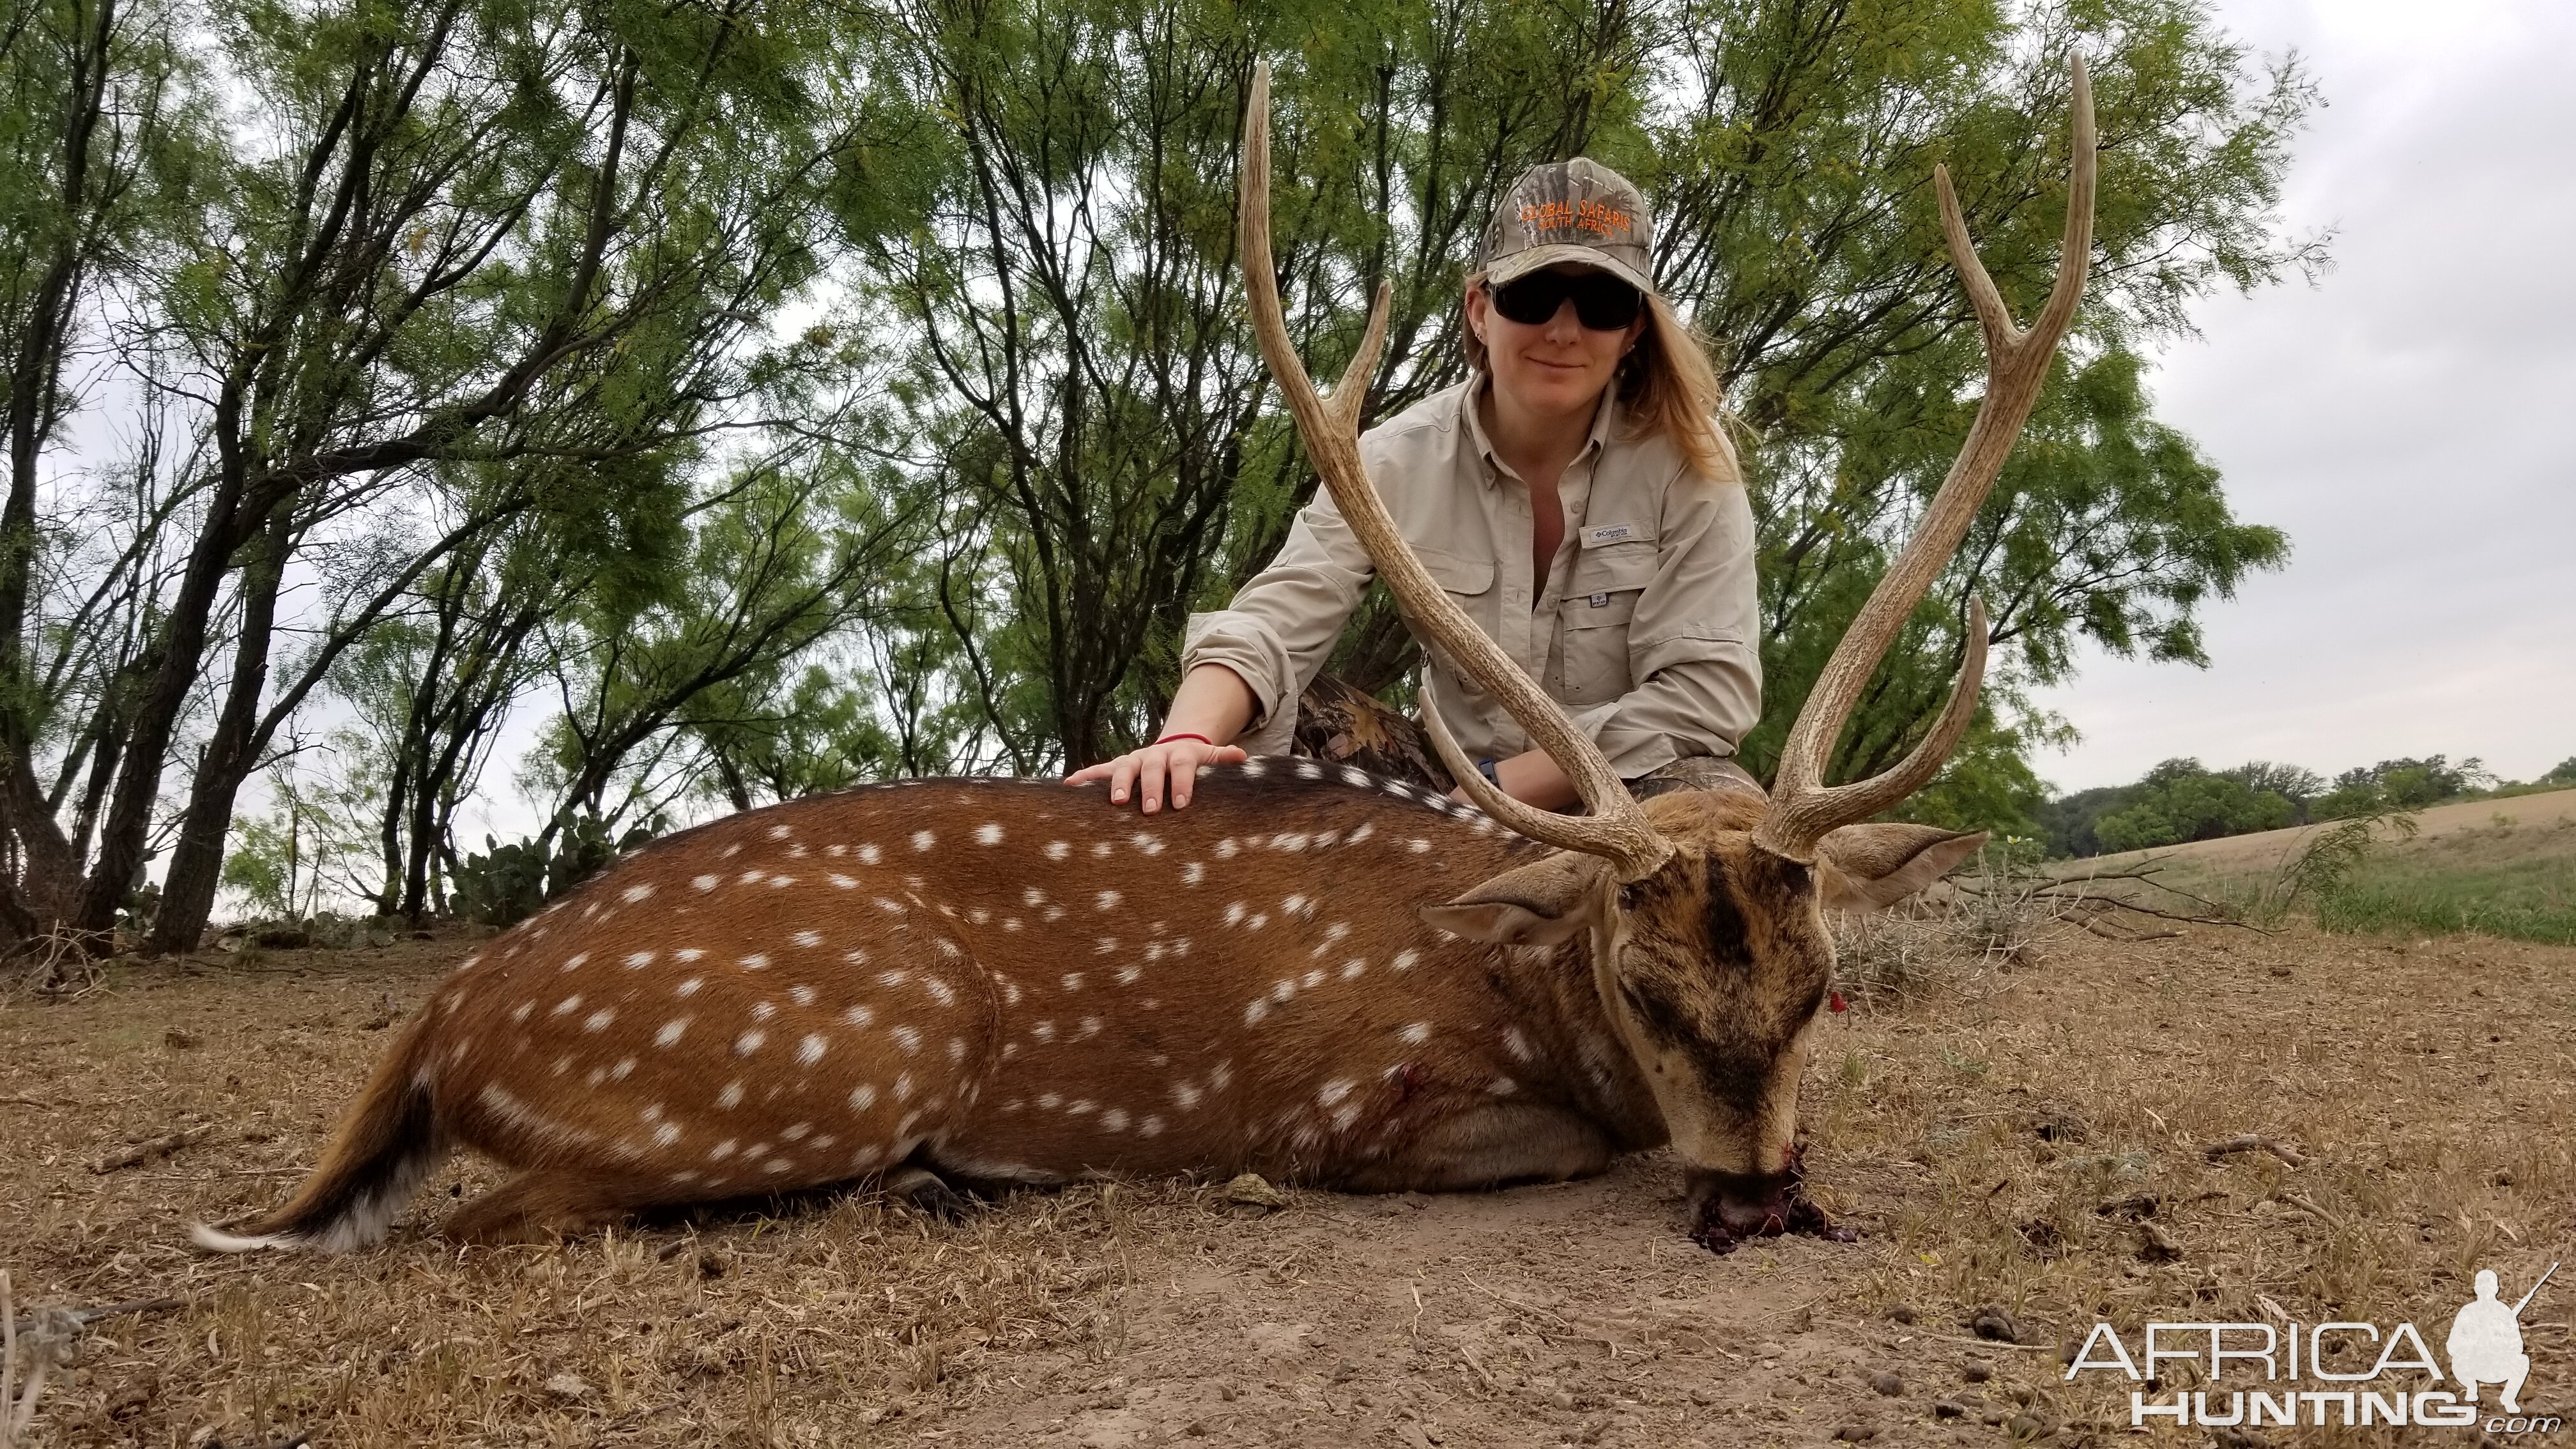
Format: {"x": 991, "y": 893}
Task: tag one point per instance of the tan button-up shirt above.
{"x": 1645, "y": 631}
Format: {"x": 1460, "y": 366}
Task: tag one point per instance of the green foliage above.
{"x": 2402, "y": 784}
{"x": 1987, "y": 785}
{"x": 506, "y": 884}
{"x": 2562, "y": 773}
{"x": 2179, "y": 801}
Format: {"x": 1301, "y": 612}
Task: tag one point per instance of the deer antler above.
{"x": 1617, "y": 828}
{"x": 1802, "y": 808}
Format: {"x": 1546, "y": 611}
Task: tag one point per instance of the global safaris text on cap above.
{"x": 1571, "y": 211}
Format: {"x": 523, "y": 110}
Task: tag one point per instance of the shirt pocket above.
{"x": 1600, "y": 602}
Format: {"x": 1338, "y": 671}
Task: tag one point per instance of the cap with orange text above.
{"x": 1571, "y": 211}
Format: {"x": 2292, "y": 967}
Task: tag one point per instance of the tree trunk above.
{"x": 197, "y": 861}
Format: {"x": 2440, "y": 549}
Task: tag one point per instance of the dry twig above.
{"x": 154, "y": 1150}
{"x": 2255, "y": 1142}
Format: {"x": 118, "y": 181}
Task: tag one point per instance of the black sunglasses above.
{"x": 1601, "y": 302}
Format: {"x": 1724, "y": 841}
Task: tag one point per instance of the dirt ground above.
{"x": 1975, "y": 1135}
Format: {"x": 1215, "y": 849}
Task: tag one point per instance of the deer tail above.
{"x": 385, "y": 1148}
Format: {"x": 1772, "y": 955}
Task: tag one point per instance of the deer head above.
{"x": 1703, "y": 914}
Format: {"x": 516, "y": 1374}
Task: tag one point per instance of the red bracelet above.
{"x": 1187, "y": 735}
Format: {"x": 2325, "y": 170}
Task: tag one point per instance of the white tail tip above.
{"x": 216, "y": 1240}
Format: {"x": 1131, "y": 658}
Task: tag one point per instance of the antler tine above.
{"x": 2017, "y": 360}
{"x": 1617, "y": 828}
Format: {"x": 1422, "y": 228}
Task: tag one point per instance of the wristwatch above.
{"x": 1486, "y": 769}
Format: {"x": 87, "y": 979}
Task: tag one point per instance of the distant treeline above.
{"x": 2182, "y": 800}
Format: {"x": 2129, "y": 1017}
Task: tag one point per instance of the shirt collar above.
{"x": 1605, "y": 419}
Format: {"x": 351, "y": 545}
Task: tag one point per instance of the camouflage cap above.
{"x": 1571, "y": 211}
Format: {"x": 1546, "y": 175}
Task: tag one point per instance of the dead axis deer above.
{"x": 1312, "y": 973}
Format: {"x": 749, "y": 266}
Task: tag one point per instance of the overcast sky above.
{"x": 2410, "y": 421}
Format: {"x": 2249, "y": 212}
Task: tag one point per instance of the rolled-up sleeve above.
{"x": 1694, "y": 643}
{"x": 1281, "y": 627}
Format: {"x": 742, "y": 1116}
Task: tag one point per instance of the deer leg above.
{"x": 1488, "y": 1148}
{"x": 929, "y": 1193}
{"x": 537, "y": 1205}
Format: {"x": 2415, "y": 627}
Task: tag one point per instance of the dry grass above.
{"x": 1972, "y": 1126}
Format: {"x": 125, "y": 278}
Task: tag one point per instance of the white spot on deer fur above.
{"x": 1517, "y": 1044}
{"x": 671, "y": 1031}
{"x": 666, "y": 1134}
{"x": 721, "y": 1151}
{"x": 1221, "y": 1076}
{"x": 1043, "y": 1030}
{"x": 1335, "y": 1090}
{"x": 1056, "y": 850}
{"x": 906, "y": 1038}
{"x": 795, "y": 1130}
{"x": 1080, "y": 1108}
{"x": 731, "y": 1096}
{"x": 519, "y": 1013}
{"x": 801, "y": 995}
{"x": 1049, "y": 1101}
{"x": 762, "y": 1011}
{"x": 749, "y": 1042}
{"x": 568, "y": 1005}
{"x": 1309, "y": 770}
{"x": 1343, "y": 1119}
{"x": 1311, "y": 980}
{"x": 687, "y": 954}
{"x": 867, "y": 855}
{"x": 689, "y": 987}
{"x": 1404, "y": 960}
{"x": 1294, "y": 906}
{"x": 811, "y": 1049}
{"x": 1010, "y": 991}
{"x": 597, "y": 1075}
{"x": 1073, "y": 981}
{"x": 1291, "y": 840}
{"x": 947, "y": 947}
{"x": 638, "y": 960}
{"x": 1104, "y": 946}
{"x": 1149, "y": 844}
{"x": 890, "y": 906}
{"x": 1113, "y": 1120}
{"x": 1254, "y": 1010}
{"x": 1353, "y": 967}
{"x": 842, "y": 881}
{"x": 979, "y": 916}
{"x": 1226, "y": 848}
{"x": 903, "y": 1087}
{"x": 1192, "y": 872}
{"x": 577, "y": 958}
{"x": 862, "y": 1097}
{"x": 807, "y": 939}
{"x": 625, "y": 1067}
{"x": 893, "y": 978}
{"x": 858, "y": 1016}
{"x": 939, "y": 989}
{"x": 1258, "y": 920}
{"x": 1186, "y": 1094}
{"x": 1502, "y": 1086}
{"x": 922, "y": 839}
{"x": 563, "y": 1063}
{"x": 780, "y": 882}
{"x": 1416, "y": 1034}
{"x": 752, "y": 877}
{"x": 1417, "y": 845}
{"x": 1234, "y": 913}
{"x": 824, "y": 1141}
{"x": 1127, "y": 975}
{"x": 1100, "y": 849}
{"x": 636, "y": 893}
{"x": 989, "y": 833}
{"x": 1090, "y": 1027}
{"x": 599, "y": 1020}
{"x": 1106, "y": 900}
{"x": 957, "y": 1049}
{"x": 756, "y": 961}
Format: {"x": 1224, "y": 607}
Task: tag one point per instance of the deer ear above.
{"x": 1535, "y": 905}
{"x": 1872, "y": 867}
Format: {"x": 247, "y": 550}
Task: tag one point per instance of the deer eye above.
{"x": 1630, "y": 896}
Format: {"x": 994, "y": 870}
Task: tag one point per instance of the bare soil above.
{"x": 1974, "y": 1135}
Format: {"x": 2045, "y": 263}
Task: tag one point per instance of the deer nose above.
{"x": 1749, "y": 1204}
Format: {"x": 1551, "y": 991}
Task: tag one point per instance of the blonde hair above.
{"x": 1666, "y": 385}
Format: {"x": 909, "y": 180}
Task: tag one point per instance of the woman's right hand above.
{"x": 1165, "y": 767}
